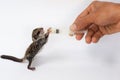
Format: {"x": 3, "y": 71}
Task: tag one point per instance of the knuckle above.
{"x": 94, "y": 2}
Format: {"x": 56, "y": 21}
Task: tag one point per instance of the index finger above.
{"x": 83, "y": 14}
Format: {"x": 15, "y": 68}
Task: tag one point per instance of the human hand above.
{"x": 99, "y": 19}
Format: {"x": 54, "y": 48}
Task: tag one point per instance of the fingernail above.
{"x": 73, "y": 27}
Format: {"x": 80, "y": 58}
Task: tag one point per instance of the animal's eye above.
{"x": 38, "y": 33}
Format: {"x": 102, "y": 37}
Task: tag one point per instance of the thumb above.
{"x": 82, "y": 23}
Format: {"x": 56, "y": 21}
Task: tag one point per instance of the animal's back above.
{"x": 35, "y": 47}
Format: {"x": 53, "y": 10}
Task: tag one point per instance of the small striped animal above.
{"x": 39, "y": 38}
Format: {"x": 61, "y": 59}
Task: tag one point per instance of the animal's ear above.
{"x": 35, "y": 29}
{"x": 41, "y": 28}
{"x": 34, "y": 34}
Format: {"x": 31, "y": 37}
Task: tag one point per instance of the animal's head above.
{"x": 37, "y": 33}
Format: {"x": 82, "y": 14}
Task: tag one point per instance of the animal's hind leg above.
{"x": 29, "y": 65}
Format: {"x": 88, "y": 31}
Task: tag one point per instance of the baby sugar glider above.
{"x": 39, "y": 38}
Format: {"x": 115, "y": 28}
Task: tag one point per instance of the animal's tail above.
{"x": 11, "y": 58}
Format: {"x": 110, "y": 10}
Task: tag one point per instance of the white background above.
{"x": 63, "y": 57}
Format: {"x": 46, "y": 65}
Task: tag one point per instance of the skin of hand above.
{"x": 99, "y": 19}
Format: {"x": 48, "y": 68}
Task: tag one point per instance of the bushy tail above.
{"x": 11, "y": 58}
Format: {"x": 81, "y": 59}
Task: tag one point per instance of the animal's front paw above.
{"x": 49, "y": 30}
